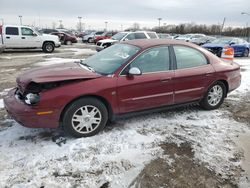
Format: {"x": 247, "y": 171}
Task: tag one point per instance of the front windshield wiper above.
{"x": 87, "y": 66}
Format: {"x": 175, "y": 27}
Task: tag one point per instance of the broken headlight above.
{"x": 31, "y": 99}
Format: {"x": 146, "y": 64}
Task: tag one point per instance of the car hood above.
{"x": 50, "y": 37}
{"x": 214, "y": 45}
{"x": 55, "y": 73}
{"x": 108, "y": 40}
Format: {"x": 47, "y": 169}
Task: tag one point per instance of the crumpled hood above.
{"x": 214, "y": 45}
{"x": 54, "y": 73}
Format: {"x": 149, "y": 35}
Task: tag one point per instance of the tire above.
{"x": 214, "y": 96}
{"x": 48, "y": 47}
{"x": 245, "y": 53}
{"x": 68, "y": 42}
{"x": 89, "y": 40}
{"x": 85, "y": 117}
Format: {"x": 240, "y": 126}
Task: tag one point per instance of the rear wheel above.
{"x": 48, "y": 47}
{"x": 89, "y": 40}
{"x": 68, "y": 42}
{"x": 214, "y": 96}
{"x": 85, "y": 117}
{"x": 246, "y": 53}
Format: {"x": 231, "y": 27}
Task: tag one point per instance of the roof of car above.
{"x": 146, "y": 43}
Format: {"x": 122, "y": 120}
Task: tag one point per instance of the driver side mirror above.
{"x": 34, "y": 34}
{"x": 232, "y": 43}
{"x": 134, "y": 71}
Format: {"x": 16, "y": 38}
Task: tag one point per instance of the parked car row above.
{"x": 215, "y": 45}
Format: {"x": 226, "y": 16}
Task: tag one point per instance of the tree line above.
{"x": 184, "y": 28}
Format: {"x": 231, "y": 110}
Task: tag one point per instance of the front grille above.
{"x": 216, "y": 50}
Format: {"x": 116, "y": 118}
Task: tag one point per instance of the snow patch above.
{"x": 1, "y": 104}
{"x": 52, "y": 61}
{"x": 85, "y": 51}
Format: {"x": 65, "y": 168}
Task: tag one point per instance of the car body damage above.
{"x": 56, "y": 75}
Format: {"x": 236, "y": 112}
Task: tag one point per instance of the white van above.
{"x": 23, "y": 37}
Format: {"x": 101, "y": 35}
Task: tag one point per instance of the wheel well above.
{"x": 103, "y": 100}
{"x": 226, "y": 84}
{"x": 49, "y": 41}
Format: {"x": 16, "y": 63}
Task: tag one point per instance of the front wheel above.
{"x": 48, "y": 47}
{"x": 85, "y": 117}
{"x": 214, "y": 96}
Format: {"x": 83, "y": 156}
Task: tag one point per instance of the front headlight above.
{"x": 32, "y": 99}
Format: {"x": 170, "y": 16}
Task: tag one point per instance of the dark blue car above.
{"x": 240, "y": 46}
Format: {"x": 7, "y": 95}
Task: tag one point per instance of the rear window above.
{"x": 11, "y": 31}
{"x": 152, "y": 35}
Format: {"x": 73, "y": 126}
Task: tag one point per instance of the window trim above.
{"x": 175, "y": 61}
{"x": 171, "y": 61}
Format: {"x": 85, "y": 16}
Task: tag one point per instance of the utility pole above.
{"x": 106, "y": 26}
{"x": 159, "y": 19}
{"x": 80, "y": 23}
{"x": 20, "y": 18}
{"x": 248, "y": 33}
{"x": 2, "y": 21}
{"x": 60, "y": 26}
{"x": 222, "y": 26}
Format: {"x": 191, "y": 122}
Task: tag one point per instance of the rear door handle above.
{"x": 7, "y": 37}
{"x": 165, "y": 79}
{"x": 23, "y": 37}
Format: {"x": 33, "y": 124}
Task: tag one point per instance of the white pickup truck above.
{"x": 23, "y": 37}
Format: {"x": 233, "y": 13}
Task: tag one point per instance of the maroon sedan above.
{"x": 65, "y": 38}
{"x": 133, "y": 76}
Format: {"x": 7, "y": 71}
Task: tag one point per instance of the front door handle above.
{"x": 208, "y": 74}
{"x": 165, "y": 79}
{"x": 23, "y": 37}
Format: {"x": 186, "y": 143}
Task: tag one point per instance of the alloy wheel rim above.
{"x": 215, "y": 95}
{"x": 86, "y": 119}
{"x": 49, "y": 48}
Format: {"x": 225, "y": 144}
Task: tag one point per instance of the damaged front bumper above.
{"x": 29, "y": 116}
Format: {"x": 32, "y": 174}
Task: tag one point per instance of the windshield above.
{"x": 109, "y": 60}
{"x": 118, "y": 36}
{"x": 222, "y": 41}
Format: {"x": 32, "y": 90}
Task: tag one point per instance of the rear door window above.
{"x": 11, "y": 31}
{"x": 187, "y": 57}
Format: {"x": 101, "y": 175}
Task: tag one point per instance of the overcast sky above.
{"x": 145, "y": 12}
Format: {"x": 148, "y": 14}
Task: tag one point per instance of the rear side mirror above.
{"x": 134, "y": 71}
